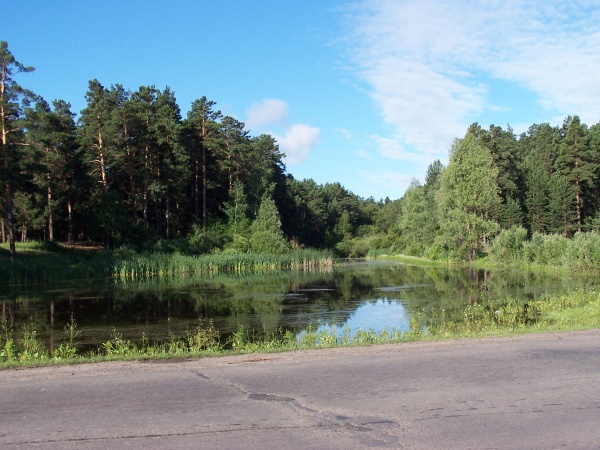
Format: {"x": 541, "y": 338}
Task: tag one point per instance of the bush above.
{"x": 583, "y": 252}
{"x": 555, "y": 249}
{"x": 508, "y": 244}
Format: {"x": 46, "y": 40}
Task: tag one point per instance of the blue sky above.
{"x": 366, "y": 93}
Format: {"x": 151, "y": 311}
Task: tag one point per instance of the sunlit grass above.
{"x": 140, "y": 266}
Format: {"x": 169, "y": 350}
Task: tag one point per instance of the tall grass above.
{"x": 581, "y": 252}
{"x": 35, "y": 264}
{"x": 141, "y": 266}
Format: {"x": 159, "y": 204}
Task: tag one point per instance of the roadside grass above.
{"x": 578, "y": 310}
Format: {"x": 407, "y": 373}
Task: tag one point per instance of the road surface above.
{"x": 536, "y": 391}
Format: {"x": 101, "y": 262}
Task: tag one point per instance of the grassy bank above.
{"x": 578, "y": 310}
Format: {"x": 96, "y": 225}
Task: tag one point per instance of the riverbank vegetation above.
{"x": 41, "y": 262}
{"x": 578, "y": 310}
{"x": 130, "y": 171}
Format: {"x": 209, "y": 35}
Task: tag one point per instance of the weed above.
{"x": 203, "y": 337}
{"x": 32, "y": 348}
{"x": 118, "y": 346}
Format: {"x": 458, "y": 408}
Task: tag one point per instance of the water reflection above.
{"x": 380, "y": 315}
{"x": 360, "y": 295}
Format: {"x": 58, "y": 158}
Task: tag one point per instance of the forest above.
{"x": 130, "y": 170}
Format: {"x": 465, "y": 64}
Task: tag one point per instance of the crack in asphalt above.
{"x": 363, "y": 430}
{"x": 152, "y": 435}
{"x": 507, "y": 413}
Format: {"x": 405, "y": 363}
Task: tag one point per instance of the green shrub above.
{"x": 508, "y": 244}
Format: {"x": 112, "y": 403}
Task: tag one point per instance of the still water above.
{"x": 355, "y": 295}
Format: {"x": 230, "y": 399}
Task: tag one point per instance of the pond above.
{"x": 354, "y": 295}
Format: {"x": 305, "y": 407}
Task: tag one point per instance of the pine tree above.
{"x": 12, "y": 136}
{"x": 540, "y": 146}
{"x": 577, "y": 163}
{"x": 203, "y": 128}
{"x": 52, "y": 134}
{"x": 265, "y": 232}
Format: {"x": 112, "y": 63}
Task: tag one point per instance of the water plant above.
{"x": 577, "y": 310}
{"x": 40, "y": 265}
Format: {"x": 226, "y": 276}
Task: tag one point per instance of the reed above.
{"x": 143, "y": 266}
{"x": 37, "y": 265}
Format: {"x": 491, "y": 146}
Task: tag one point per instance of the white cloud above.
{"x": 393, "y": 149}
{"x": 297, "y": 142}
{"x": 271, "y": 111}
{"x": 423, "y": 62}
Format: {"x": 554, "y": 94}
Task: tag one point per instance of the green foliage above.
{"x": 203, "y": 337}
{"x": 467, "y": 198}
{"x": 127, "y": 264}
{"x": 508, "y": 244}
{"x": 546, "y": 249}
{"x": 64, "y": 351}
{"x": 418, "y": 220}
{"x": 201, "y": 241}
{"x": 31, "y": 348}
{"x": 577, "y": 163}
{"x": 581, "y": 253}
{"x": 265, "y": 232}
{"x": 236, "y": 209}
{"x": 8, "y": 350}
{"x": 119, "y": 346}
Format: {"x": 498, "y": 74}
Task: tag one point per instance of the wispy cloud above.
{"x": 424, "y": 62}
{"x": 395, "y": 183}
{"x": 392, "y": 149}
{"x": 347, "y": 134}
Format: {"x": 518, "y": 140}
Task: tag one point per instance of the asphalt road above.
{"x": 540, "y": 391}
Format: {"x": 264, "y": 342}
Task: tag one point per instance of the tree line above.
{"x": 543, "y": 182}
{"x": 131, "y": 170}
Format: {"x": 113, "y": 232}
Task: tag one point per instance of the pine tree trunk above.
{"x": 167, "y": 218}
{"x": 10, "y": 220}
{"x": 70, "y": 220}
{"x": 7, "y": 190}
{"x": 146, "y": 188}
{"x": 203, "y": 191}
{"x": 578, "y": 201}
{"x": 50, "y": 218}
{"x": 196, "y": 189}
{"x": 101, "y": 150}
